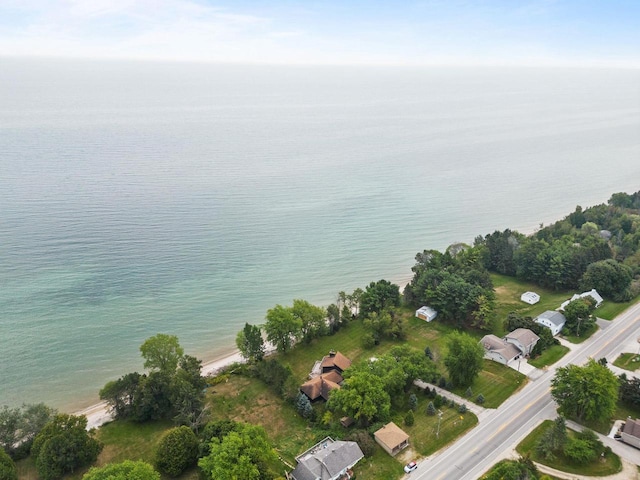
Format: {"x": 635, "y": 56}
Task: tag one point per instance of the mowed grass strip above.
{"x": 610, "y": 310}
{"x": 496, "y": 383}
{"x": 628, "y": 361}
{"x": 550, "y": 356}
{"x": 597, "y": 468}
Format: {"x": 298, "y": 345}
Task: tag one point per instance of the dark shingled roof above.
{"x": 336, "y": 360}
{"x": 322, "y": 385}
{"x": 327, "y": 462}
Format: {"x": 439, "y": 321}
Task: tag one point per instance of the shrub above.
{"x": 462, "y": 408}
{"x": 177, "y": 451}
{"x": 409, "y": 420}
{"x": 364, "y": 440}
{"x": 480, "y": 399}
{"x": 439, "y": 401}
{"x": 442, "y": 382}
{"x": 468, "y": 393}
{"x": 413, "y": 402}
{"x": 431, "y": 409}
{"x": 127, "y": 470}
{"x": 7, "y": 467}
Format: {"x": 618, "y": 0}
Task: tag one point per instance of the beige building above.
{"x": 391, "y": 438}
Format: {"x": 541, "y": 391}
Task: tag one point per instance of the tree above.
{"x": 364, "y": 440}
{"x": 578, "y": 315}
{"x": 409, "y": 419}
{"x": 610, "y": 278}
{"x": 249, "y": 342}
{"x": 379, "y": 296}
{"x": 303, "y": 405}
{"x": 312, "y": 319}
{"x": 464, "y": 358}
{"x": 122, "y": 395}
{"x": 521, "y": 469}
{"x": 7, "y": 467}
{"x": 188, "y": 393}
{"x": 161, "y": 353}
{"x": 413, "y": 402}
{"x": 19, "y": 426}
{"x": 431, "y": 409}
{"x": 586, "y": 393}
{"x": 127, "y": 470}
{"x": 64, "y": 445}
{"x": 243, "y": 453}
{"x": 282, "y": 327}
{"x": 177, "y": 451}
{"x": 362, "y": 397}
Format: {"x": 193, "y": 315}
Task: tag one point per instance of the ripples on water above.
{"x": 187, "y": 199}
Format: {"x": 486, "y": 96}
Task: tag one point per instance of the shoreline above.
{"x": 98, "y": 414}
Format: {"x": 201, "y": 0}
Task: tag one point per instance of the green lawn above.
{"x": 610, "y": 466}
{"x": 550, "y": 356}
{"x": 628, "y": 361}
{"x": 122, "y": 441}
{"x": 508, "y": 291}
{"x": 609, "y": 310}
{"x": 583, "y": 335}
{"x": 496, "y": 383}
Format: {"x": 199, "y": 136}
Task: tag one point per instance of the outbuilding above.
{"x": 530, "y": 297}
{"x": 426, "y": 313}
{"x": 391, "y": 438}
{"x": 552, "y": 320}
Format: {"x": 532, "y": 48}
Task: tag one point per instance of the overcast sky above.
{"x": 451, "y": 32}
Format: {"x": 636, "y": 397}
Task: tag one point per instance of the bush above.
{"x": 127, "y": 470}
{"x": 442, "y": 382}
{"x": 480, "y": 399}
{"x": 364, "y": 440}
{"x": 368, "y": 341}
{"x": 177, "y": 451}
{"x": 409, "y": 420}
{"x": 413, "y": 402}
{"x": 462, "y": 408}
{"x": 468, "y": 393}
{"x": 431, "y": 409}
{"x": 439, "y": 401}
{"x": 7, "y": 467}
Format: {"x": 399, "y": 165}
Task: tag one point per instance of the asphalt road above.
{"x": 501, "y": 430}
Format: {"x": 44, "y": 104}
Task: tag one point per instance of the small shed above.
{"x": 426, "y": 313}
{"x": 530, "y": 297}
{"x": 391, "y": 438}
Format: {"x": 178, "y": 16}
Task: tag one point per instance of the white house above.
{"x": 631, "y": 432}
{"x": 593, "y": 293}
{"x": 552, "y": 320}
{"x": 530, "y": 297}
{"x": 426, "y": 313}
{"x": 498, "y": 350}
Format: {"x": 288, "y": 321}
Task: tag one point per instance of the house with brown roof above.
{"x": 335, "y": 361}
{"x": 631, "y": 432}
{"x": 320, "y": 386}
{"x": 391, "y": 438}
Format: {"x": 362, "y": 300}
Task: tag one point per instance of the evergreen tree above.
{"x": 431, "y": 409}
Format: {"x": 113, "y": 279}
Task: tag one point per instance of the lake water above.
{"x": 138, "y": 198}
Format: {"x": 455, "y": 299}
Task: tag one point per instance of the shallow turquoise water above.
{"x": 138, "y": 198}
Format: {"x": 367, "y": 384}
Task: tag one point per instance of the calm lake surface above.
{"x": 138, "y": 198}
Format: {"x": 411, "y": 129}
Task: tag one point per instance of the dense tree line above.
{"x": 455, "y": 283}
{"x": 598, "y": 247}
{"x": 172, "y": 389}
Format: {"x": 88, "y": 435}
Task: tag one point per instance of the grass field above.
{"x": 609, "y": 310}
{"x": 508, "y": 291}
{"x": 496, "y": 383}
{"x": 628, "y": 361}
{"x": 597, "y": 468}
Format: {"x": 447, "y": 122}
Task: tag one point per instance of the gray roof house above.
{"x": 552, "y": 320}
{"x": 524, "y": 339}
{"x": 631, "y": 432}
{"x": 499, "y": 350}
{"x": 327, "y": 460}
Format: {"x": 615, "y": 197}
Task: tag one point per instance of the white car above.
{"x": 410, "y": 467}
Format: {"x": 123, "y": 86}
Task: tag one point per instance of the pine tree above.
{"x": 428, "y": 353}
{"x": 462, "y": 408}
{"x": 431, "y": 409}
{"x": 413, "y": 402}
{"x": 409, "y": 419}
{"x": 480, "y": 399}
